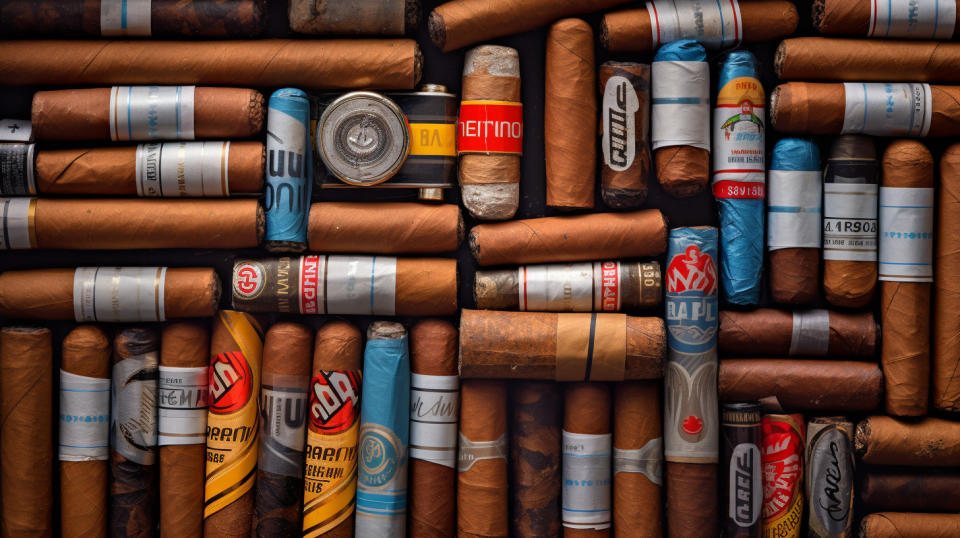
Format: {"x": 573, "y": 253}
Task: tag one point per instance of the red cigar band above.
{"x": 741, "y": 190}
{"x": 490, "y": 127}
{"x": 310, "y": 285}
{"x": 610, "y": 286}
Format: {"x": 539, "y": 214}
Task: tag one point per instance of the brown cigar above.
{"x": 563, "y": 347}
{"x": 692, "y": 499}
{"x": 113, "y": 171}
{"x": 364, "y": 17}
{"x": 84, "y": 475}
{"x": 434, "y": 386}
{"x": 570, "y": 115}
{"x": 848, "y": 17}
{"x": 914, "y": 490}
{"x": 482, "y": 509}
{"x": 182, "y": 456}
{"x": 946, "y": 287}
{"x": 384, "y": 228}
{"x": 133, "y": 440}
{"x": 387, "y": 64}
{"x": 898, "y": 524}
{"x": 459, "y": 23}
{"x": 49, "y": 293}
{"x": 637, "y": 459}
{"x": 763, "y": 20}
{"x": 807, "y": 385}
{"x": 535, "y": 453}
{"x": 767, "y": 331}
{"x": 864, "y": 60}
{"x": 624, "y": 133}
{"x": 586, "y": 432}
{"x": 905, "y": 306}
{"x": 26, "y": 408}
{"x": 563, "y": 239}
{"x": 929, "y": 442}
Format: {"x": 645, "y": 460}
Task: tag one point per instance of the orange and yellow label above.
{"x": 433, "y": 139}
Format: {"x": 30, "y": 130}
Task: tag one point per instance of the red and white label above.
{"x": 248, "y": 279}
{"x": 741, "y": 190}
{"x": 312, "y": 271}
{"x": 610, "y": 286}
{"x": 490, "y": 127}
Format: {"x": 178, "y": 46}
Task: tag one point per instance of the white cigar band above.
{"x": 716, "y": 25}
{"x": 125, "y": 18}
{"x": 647, "y": 460}
{"x": 12, "y": 130}
{"x": 586, "y": 480}
{"x": 183, "y": 169}
{"x": 365, "y": 285}
{"x": 915, "y": 19}
{"x": 556, "y": 287}
{"x": 133, "y": 422}
{"x": 887, "y": 108}
{"x": 119, "y": 294}
{"x": 84, "y": 418}
{"x": 794, "y": 209}
{"x": 850, "y": 221}
{"x": 151, "y": 112}
{"x": 182, "y": 397}
{"x": 17, "y": 174}
{"x": 811, "y": 333}
{"x": 18, "y": 228}
{"x": 434, "y": 409}
{"x": 473, "y": 451}
{"x": 906, "y": 234}
{"x": 680, "y": 113}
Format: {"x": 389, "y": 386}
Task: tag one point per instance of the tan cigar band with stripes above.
{"x": 591, "y": 347}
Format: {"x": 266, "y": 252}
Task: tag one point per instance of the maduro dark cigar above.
{"x": 367, "y": 17}
{"x": 236, "y": 355}
{"x": 783, "y": 466}
{"x": 637, "y": 459}
{"x": 896, "y": 524}
{"x": 289, "y": 171}
{"x": 535, "y": 450}
{"x": 866, "y": 60}
{"x": 576, "y": 287}
{"x": 86, "y": 293}
{"x": 906, "y": 271}
{"x": 84, "y": 432}
{"x": 133, "y": 433}
{"x": 563, "y": 347}
{"x": 587, "y": 441}
{"x": 171, "y": 169}
{"x": 565, "y": 239}
{"x": 287, "y": 358}
{"x": 26, "y": 402}
{"x": 828, "y": 477}
{"x": 377, "y": 285}
{"x": 946, "y": 287}
{"x": 818, "y": 333}
{"x": 904, "y": 20}
{"x": 482, "y": 508}
{"x": 570, "y": 115}
{"x": 928, "y": 442}
{"x": 385, "y": 227}
{"x": 742, "y": 488}
{"x": 914, "y": 490}
{"x": 434, "y": 411}
{"x": 624, "y": 133}
{"x": 807, "y": 385}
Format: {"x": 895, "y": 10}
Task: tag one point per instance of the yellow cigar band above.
{"x": 591, "y": 347}
{"x": 433, "y": 139}
{"x": 325, "y": 510}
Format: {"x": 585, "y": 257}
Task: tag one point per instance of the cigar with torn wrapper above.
{"x": 624, "y": 133}
{"x": 897, "y": 524}
{"x": 482, "y": 484}
{"x": 914, "y": 490}
{"x": 587, "y": 443}
{"x": 385, "y": 227}
{"x": 904, "y": 20}
{"x": 812, "y": 333}
{"x": 364, "y": 17}
{"x": 927, "y": 442}
{"x": 946, "y": 287}
{"x": 535, "y": 451}
{"x": 867, "y": 60}
{"x": 637, "y": 458}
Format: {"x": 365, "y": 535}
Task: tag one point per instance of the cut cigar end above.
{"x": 438, "y": 30}
{"x": 261, "y": 223}
{"x": 385, "y": 330}
{"x": 411, "y": 16}
{"x": 491, "y": 201}
{"x": 623, "y": 198}
{"x": 417, "y": 64}
{"x": 861, "y": 437}
{"x": 816, "y": 14}
{"x": 461, "y": 227}
{"x": 604, "y": 33}
{"x": 284, "y": 246}
{"x": 779, "y": 57}
{"x": 775, "y": 100}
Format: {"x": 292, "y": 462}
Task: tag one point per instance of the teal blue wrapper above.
{"x": 289, "y": 169}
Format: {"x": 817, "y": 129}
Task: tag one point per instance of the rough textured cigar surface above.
{"x": 387, "y": 64}
{"x": 482, "y": 501}
{"x": 914, "y": 491}
{"x": 586, "y": 429}
{"x": 929, "y": 442}
{"x": 366, "y": 17}
{"x": 682, "y": 170}
{"x": 26, "y": 410}
{"x": 809, "y": 385}
{"x": 384, "y": 228}
{"x": 637, "y": 459}
{"x": 863, "y": 60}
{"x": 946, "y": 288}
{"x": 852, "y": 17}
{"x": 767, "y": 331}
{"x": 896, "y": 524}
{"x": 692, "y": 499}
{"x": 535, "y": 452}
{"x": 624, "y": 133}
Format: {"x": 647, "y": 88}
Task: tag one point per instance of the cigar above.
{"x": 87, "y": 293}
{"x": 679, "y": 117}
{"x": 84, "y": 432}
{"x": 895, "y": 524}
{"x": 489, "y": 170}
{"x": 236, "y": 355}
{"x": 932, "y": 490}
{"x": 482, "y": 508}
{"x": 794, "y": 222}
{"x": 639, "y": 30}
{"x": 77, "y": 18}
{"x": 637, "y": 459}
{"x": 915, "y": 109}
{"x": 816, "y": 333}
{"x": 387, "y": 64}
{"x": 783, "y": 467}
{"x": 17, "y": 159}
{"x": 802, "y": 385}
{"x": 828, "y": 477}
{"x": 434, "y": 410}
{"x": 111, "y": 224}
{"x": 565, "y": 239}
{"x": 570, "y": 115}
{"x": 587, "y": 440}
{"x": 535, "y": 450}
{"x": 287, "y": 359}
{"x": 333, "y": 428}
{"x": 946, "y": 288}
{"x": 856, "y": 17}
{"x": 624, "y": 133}
{"x": 125, "y": 113}
{"x": 850, "y": 222}
{"x": 562, "y": 347}
{"x": 366, "y": 17}
{"x": 133, "y": 432}
{"x": 738, "y": 176}
{"x": 26, "y": 401}
{"x": 385, "y": 227}
{"x": 928, "y": 442}
{"x": 182, "y": 398}
{"x": 458, "y": 23}
{"x": 171, "y": 169}
{"x": 906, "y": 256}
{"x": 608, "y": 286}
{"x": 289, "y": 171}
{"x": 742, "y": 489}
{"x": 691, "y": 506}
{"x": 369, "y": 285}
{"x": 384, "y": 432}
{"x": 866, "y": 60}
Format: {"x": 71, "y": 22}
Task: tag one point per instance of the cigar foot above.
{"x": 623, "y": 198}
{"x": 604, "y": 34}
{"x": 438, "y": 29}
{"x": 284, "y": 246}
{"x": 411, "y": 16}
{"x": 385, "y": 330}
{"x": 491, "y": 201}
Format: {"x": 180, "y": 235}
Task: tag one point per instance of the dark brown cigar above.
{"x": 920, "y": 490}
{"x": 767, "y": 331}
{"x": 535, "y": 453}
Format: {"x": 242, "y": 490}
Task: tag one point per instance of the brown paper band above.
{"x": 591, "y": 347}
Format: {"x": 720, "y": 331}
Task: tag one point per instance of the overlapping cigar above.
{"x": 587, "y": 440}
{"x": 535, "y": 452}
{"x": 387, "y": 64}
{"x": 928, "y": 442}
{"x": 742, "y": 486}
{"x": 625, "y": 160}
{"x": 289, "y": 171}
{"x": 637, "y": 458}
{"x": 385, "y": 227}
{"x": 562, "y": 347}
{"x": 867, "y": 60}
{"x": 945, "y": 365}
{"x": 817, "y": 333}
{"x": 366, "y": 17}
{"x": 920, "y": 490}
{"x": 482, "y": 505}
{"x": 896, "y": 524}
{"x": 862, "y": 17}
{"x": 783, "y": 466}
{"x": 802, "y": 385}
{"x": 829, "y": 477}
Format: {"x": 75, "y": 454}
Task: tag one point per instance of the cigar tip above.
{"x": 411, "y": 15}
{"x": 385, "y": 330}
{"x": 861, "y": 437}
{"x": 21, "y": 329}
{"x": 86, "y": 336}
{"x": 437, "y": 29}
{"x": 495, "y": 60}
{"x": 417, "y": 63}
{"x": 779, "y": 57}
{"x": 604, "y": 33}
{"x": 816, "y": 14}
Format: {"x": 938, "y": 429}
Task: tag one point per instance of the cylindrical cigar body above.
{"x": 384, "y": 228}
{"x": 828, "y": 58}
{"x": 782, "y": 459}
{"x": 829, "y": 477}
{"x": 482, "y": 506}
{"x": 929, "y": 442}
{"x": 818, "y": 333}
{"x": 911, "y": 490}
{"x": 895, "y": 524}
{"x": 535, "y": 451}
{"x": 587, "y": 442}
{"x": 912, "y": 21}
{"x": 946, "y": 287}
{"x": 624, "y": 133}
{"x": 742, "y": 487}
{"x": 367, "y": 17}
{"x": 637, "y": 459}
{"x": 289, "y": 171}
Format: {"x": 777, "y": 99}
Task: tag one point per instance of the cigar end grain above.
{"x": 491, "y": 201}
{"x": 604, "y": 33}
{"x": 385, "y": 330}
{"x": 775, "y": 99}
{"x": 474, "y": 244}
{"x": 623, "y": 198}
{"x": 438, "y": 30}
{"x": 816, "y": 14}
{"x": 861, "y": 437}
{"x": 257, "y": 112}
{"x": 417, "y": 64}
{"x": 778, "y": 59}
{"x": 261, "y": 223}
{"x": 411, "y": 16}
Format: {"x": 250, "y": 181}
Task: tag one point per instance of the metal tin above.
{"x": 782, "y": 458}
{"x": 829, "y": 477}
{"x": 743, "y": 487}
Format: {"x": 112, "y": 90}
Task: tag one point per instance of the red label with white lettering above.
{"x": 741, "y": 190}
{"x": 310, "y": 285}
{"x": 490, "y": 127}
{"x": 610, "y": 286}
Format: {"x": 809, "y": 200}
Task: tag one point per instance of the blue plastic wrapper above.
{"x": 289, "y": 169}
{"x": 684, "y": 50}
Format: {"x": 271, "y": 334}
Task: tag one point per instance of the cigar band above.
{"x": 182, "y": 394}
{"x": 363, "y": 285}
{"x": 17, "y": 176}
{"x": 18, "y": 223}
{"x": 16, "y": 130}
{"x": 119, "y": 293}
{"x": 381, "y": 480}
{"x": 490, "y": 127}
{"x": 829, "y": 477}
{"x": 133, "y": 420}
{"x": 680, "y": 104}
{"x": 125, "y": 18}
{"x": 586, "y": 480}
{"x": 647, "y": 460}
{"x": 651, "y": 282}
{"x": 618, "y": 112}
{"x": 887, "y": 108}
{"x": 906, "y": 234}
{"x": 716, "y": 25}
{"x": 151, "y": 113}
{"x": 283, "y": 413}
{"x": 739, "y": 120}
{"x": 781, "y": 457}
{"x": 794, "y": 209}
{"x": 850, "y": 211}
{"x": 334, "y": 401}
{"x": 744, "y": 483}
{"x": 915, "y": 19}
{"x": 556, "y": 287}
{"x": 434, "y": 411}
{"x": 183, "y": 169}
{"x": 591, "y": 347}
{"x": 289, "y": 172}
{"x": 473, "y": 451}
{"x": 811, "y": 333}
{"x": 84, "y": 418}
{"x": 608, "y": 285}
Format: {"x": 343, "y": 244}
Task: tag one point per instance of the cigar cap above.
{"x": 385, "y": 330}
{"x": 493, "y": 60}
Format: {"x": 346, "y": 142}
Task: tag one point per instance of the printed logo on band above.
{"x": 586, "y": 480}
{"x": 125, "y": 18}
{"x": 119, "y": 293}
{"x": 134, "y": 414}
{"x": 916, "y": 19}
{"x": 182, "y": 394}
{"x": 887, "y": 108}
{"x": 680, "y": 103}
{"x": 647, "y": 460}
{"x": 830, "y": 469}
{"x": 793, "y": 211}
{"x": 249, "y": 279}
{"x": 473, "y": 451}
{"x": 84, "y": 417}
{"x": 558, "y": 288}
{"x": 151, "y": 113}
{"x": 334, "y": 401}
{"x": 850, "y": 215}
{"x": 781, "y": 456}
{"x": 231, "y": 383}
{"x": 283, "y": 412}
{"x": 313, "y": 274}
{"x": 746, "y": 488}
{"x": 433, "y": 139}
{"x": 183, "y": 169}
{"x": 692, "y": 301}
{"x": 16, "y": 169}
{"x": 738, "y": 150}
{"x": 716, "y": 24}
{"x": 16, "y": 130}
{"x": 434, "y": 408}
{"x": 18, "y": 223}
{"x": 381, "y": 482}
{"x": 618, "y": 113}
{"x": 609, "y": 286}
{"x": 490, "y": 127}
{"x": 906, "y": 234}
